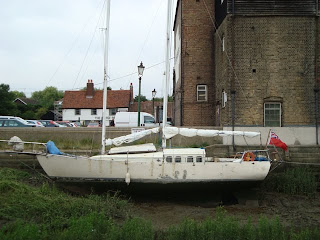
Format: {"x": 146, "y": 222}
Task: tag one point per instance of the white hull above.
{"x": 150, "y": 167}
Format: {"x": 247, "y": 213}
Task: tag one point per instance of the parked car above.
{"x": 93, "y": 124}
{"x": 35, "y": 123}
{"x": 64, "y": 123}
{"x": 49, "y": 123}
{"x": 11, "y": 121}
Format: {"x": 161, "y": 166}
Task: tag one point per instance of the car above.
{"x": 93, "y": 124}
{"x": 49, "y": 123}
{"x": 11, "y": 121}
{"x": 64, "y": 123}
{"x": 35, "y": 123}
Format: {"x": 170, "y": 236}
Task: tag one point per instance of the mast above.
{"x": 105, "y": 81}
{"x": 167, "y": 73}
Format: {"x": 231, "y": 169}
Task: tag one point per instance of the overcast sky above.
{"x": 60, "y": 43}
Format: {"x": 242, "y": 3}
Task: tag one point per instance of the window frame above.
{"x": 280, "y": 114}
{"x": 77, "y": 111}
{"x": 93, "y": 111}
{"x": 205, "y": 93}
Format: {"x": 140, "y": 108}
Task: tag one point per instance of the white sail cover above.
{"x": 131, "y": 137}
{"x": 170, "y": 132}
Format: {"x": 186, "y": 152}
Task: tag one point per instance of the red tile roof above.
{"x": 78, "y": 99}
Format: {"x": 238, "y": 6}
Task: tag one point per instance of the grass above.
{"x": 294, "y": 181}
{"x": 31, "y": 208}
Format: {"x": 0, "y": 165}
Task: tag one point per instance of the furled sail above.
{"x": 170, "y": 132}
{"x": 131, "y": 137}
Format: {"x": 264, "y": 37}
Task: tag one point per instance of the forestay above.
{"x": 170, "y": 132}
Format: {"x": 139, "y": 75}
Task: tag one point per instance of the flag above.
{"x": 275, "y": 140}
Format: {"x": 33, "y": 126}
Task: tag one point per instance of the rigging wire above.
{"x": 124, "y": 76}
{"x": 85, "y": 57}
{"x": 147, "y": 36}
{"x": 72, "y": 46}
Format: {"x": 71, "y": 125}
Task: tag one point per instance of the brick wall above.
{"x": 197, "y": 64}
{"x": 270, "y": 58}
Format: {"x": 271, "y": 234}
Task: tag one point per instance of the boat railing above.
{"x": 19, "y": 147}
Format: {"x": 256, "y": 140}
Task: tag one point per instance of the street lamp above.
{"x": 140, "y": 73}
{"x": 154, "y": 92}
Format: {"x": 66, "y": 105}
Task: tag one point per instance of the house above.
{"x": 25, "y": 101}
{"x": 51, "y": 115}
{"x": 248, "y": 63}
{"x": 86, "y": 105}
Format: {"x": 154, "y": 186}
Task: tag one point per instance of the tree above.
{"x": 18, "y": 94}
{"x": 142, "y": 98}
{"x": 47, "y": 96}
{"x": 7, "y": 106}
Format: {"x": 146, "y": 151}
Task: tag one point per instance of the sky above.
{"x": 61, "y": 43}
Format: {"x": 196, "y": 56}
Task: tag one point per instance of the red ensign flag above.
{"x": 275, "y": 140}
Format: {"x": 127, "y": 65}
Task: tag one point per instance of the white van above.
{"x": 130, "y": 119}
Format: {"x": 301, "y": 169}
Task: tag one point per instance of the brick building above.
{"x": 194, "y": 93}
{"x": 259, "y": 62}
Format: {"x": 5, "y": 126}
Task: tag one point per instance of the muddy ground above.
{"x": 167, "y": 205}
{"x": 294, "y": 211}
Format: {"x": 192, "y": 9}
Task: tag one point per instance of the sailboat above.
{"x": 144, "y": 163}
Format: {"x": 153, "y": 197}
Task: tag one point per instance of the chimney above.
{"x": 130, "y": 97}
{"x": 90, "y": 89}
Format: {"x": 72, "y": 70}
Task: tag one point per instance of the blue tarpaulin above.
{"x": 52, "y": 149}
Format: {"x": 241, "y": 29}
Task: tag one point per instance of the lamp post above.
{"x": 154, "y": 92}
{"x": 140, "y": 73}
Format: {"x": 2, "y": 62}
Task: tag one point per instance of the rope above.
{"x": 301, "y": 163}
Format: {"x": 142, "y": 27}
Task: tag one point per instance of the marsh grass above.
{"x": 45, "y": 212}
{"x": 226, "y": 227}
{"x": 294, "y": 181}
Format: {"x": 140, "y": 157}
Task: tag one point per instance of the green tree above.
{"x": 7, "y": 106}
{"x": 142, "y": 98}
{"x": 18, "y": 94}
{"x": 47, "y": 96}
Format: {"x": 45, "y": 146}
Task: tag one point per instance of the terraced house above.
{"x": 86, "y": 105}
{"x": 246, "y": 63}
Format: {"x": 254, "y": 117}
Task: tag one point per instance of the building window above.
{"x": 77, "y": 112}
{"x": 272, "y": 114}
{"x": 94, "y": 111}
{"x": 113, "y": 111}
{"x": 201, "y": 93}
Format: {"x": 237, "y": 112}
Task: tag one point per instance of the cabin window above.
{"x": 222, "y": 1}
{"x": 177, "y": 159}
{"x": 93, "y": 111}
{"x": 272, "y": 114}
{"x": 77, "y": 112}
{"x": 113, "y": 111}
{"x": 189, "y": 159}
{"x": 169, "y": 159}
{"x": 201, "y": 93}
{"x": 198, "y": 159}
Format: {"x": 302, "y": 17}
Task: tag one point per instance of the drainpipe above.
{"x": 233, "y": 93}
{"x": 316, "y": 100}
